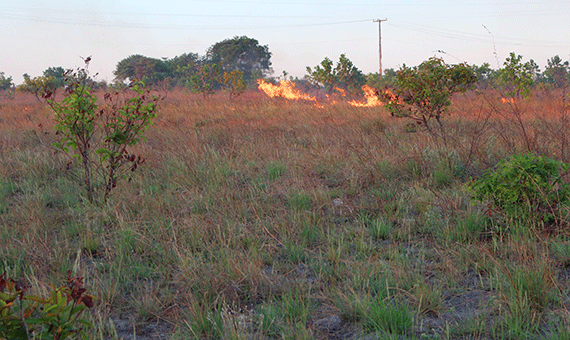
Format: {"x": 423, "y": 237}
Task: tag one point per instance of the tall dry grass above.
{"x": 266, "y": 218}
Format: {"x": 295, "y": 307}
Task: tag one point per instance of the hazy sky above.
{"x": 37, "y": 34}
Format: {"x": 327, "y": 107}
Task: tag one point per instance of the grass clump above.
{"x": 387, "y": 316}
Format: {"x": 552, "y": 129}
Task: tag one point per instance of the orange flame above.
{"x": 286, "y": 89}
{"x": 507, "y": 100}
{"x": 341, "y": 91}
{"x": 371, "y": 98}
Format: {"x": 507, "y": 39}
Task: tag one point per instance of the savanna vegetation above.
{"x": 264, "y": 218}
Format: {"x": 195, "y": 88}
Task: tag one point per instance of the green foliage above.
{"x": 40, "y": 87}
{"x": 180, "y": 68}
{"x": 233, "y": 81}
{"x": 135, "y": 67}
{"x": 424, "y": 92}
{"x": 207, "y": 78}
{"x": 485, "y": 75}
{"x": 98, "y": 137}
{"x": 387, "y": 80}
{"x": 31, "y": 317}
{"x": 517, "y": 77}
{"x": 5, "y": 83}
{"x": 344, "y": 75}
{"x": 57, "y": 73}
{"x": 243, "y": 54}
{"x": 525, "y": 189}
{"x": 557, "y": 72}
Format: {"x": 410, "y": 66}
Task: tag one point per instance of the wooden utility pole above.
{"x": 380, "y": 43}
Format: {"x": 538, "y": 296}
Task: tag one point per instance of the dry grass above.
{"x": 266, "y": 218}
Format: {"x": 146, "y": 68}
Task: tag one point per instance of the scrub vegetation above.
{"x": 266, "y": 218}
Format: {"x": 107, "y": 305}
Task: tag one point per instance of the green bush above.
{"x": 525, "y": 189}
{"x": 98, "y": 135}
{"x": 31, "y": 317}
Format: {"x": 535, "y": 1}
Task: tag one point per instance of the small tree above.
{"x": 57, "y": 73}
{"x": 556, "y": 72}
{"x": 424, "y": 92}
{"x": 485, "y": 75}
{"x": 40, "y": 87}
{"x": 233, "y": 81}
{"x": 349, "y": 76}
{"x": 98, "y": 136}
{"x": 206, "y": 79}
{"x": 323, "y": 75}
{"x": 344, "y": 75}
{"x": 243, "y": 54}
{"x": 5, "y": 83}
{"x": 517, "y": 77}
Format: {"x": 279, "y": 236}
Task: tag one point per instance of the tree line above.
{"x": 232, "y": 64}
{"x": 235, "y": 64}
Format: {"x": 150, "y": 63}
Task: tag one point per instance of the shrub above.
{"x": 424, "y": 92}
{"x": 31, "y": 317}
{"x": 98, "y": 136}
{"x": 525, "y": 189}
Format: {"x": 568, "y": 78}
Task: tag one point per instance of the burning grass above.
{"x": 264, "y": 217}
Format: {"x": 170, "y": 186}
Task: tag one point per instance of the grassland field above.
{"x": 265, "y": 218}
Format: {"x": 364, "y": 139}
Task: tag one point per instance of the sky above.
{"x": 38, "y": 34}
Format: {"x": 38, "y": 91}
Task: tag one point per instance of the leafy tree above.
{"x": 424, "y": 92}
{"x": 389, "y": 77}
{"x": 57, "y": 73}
{"x": 516, "y": 77}
{"x": 387, "y": 80}
{"x": 98, "y": 136}
{"x": 323, "y": 75}
{"x": 485, "y": 75}
{"x": 205, "y": 80}
{"x": 186, "y": 59}
{"x": 557, "y": 72}
{"x": 137, "y": 66}
{"x": 344, "y": 75}
{"x": 180, "y": 68}
{"x": 243, "y": 54}
{"x": 349, "y": 76}
{"x": 40, "y": 87}
{"x": 5, "y": 83}
{"x": 233, "y": 81}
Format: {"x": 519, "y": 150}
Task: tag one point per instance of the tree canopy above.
{"x": 5, "y": 82}
{"x": 138, "y": 66}
{"x": 57, "y": 73}
{"x": 424, "y": 92}
{"x": 344, "y": 75}
{"x": 557, "y": 72}
{"x": 243, "y": 54}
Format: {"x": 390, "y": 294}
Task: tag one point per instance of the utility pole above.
{"x": 380, "y": 43}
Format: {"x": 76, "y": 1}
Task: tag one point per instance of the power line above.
{"x": 189, "y": 15}
{"x": 163, "y": 26}
{"x": 453, "y": 34}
